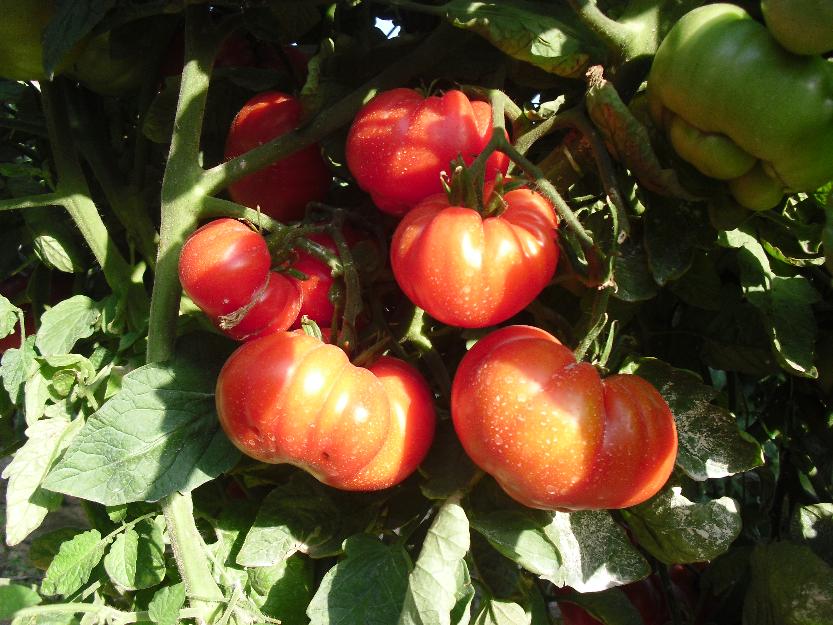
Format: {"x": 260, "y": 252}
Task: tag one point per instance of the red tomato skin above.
{"x": 276, "y": 309}
{"x": 316, "y": 288}
{"x": 468, "y": 271}
{"x": 289, "y": 398}
{"x": 551, "y": 432}
{"x": 400, "y": 142}
{"x": 222, "y": 265}
{"x": 282, "y": 189}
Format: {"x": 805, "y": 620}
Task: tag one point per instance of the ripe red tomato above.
{"x": 470, "y": 271}
{"x": 282, "y": 189}
{"x": 222, "y": 265}
{"x": 400, "y": 141}
{"x": 277, "y": 308}
{"x": 552, "y": 433}
{"x": 224, "y": 268}
{"x": 289, "y": 398}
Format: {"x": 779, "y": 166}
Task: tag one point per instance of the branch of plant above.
{"x": 105, "y": 613}
{"x": 73, "y": 187}
{"x": 616, "y": 36}
{"x": 55, "y": 198}
{"x": 439, "y": 43}
{"x": 182, "y": 198}
{"x": 352, "y": 287}
{"x": 127, "y": 205}
{"x": 415, "y": 335}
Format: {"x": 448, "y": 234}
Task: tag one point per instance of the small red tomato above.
{"x": 222, "y": 265}
{"x": 276, "y": 309}
{"x": 400, "y": 142}
{"x": 282, "y": 189}
{"x": 552, "y": 433}
{"x": 289, "y": 398}
{"x": 469, "y": 271}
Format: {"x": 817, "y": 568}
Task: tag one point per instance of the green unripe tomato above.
{"x": 21, "y": 38}
{"x": 108, "y": 74}
{"x": 722, "y": 73}
{"x": 801, "y": 26}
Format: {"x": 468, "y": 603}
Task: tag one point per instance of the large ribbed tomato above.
{"x": 289, "y": 398}
{"x": 469, "y": 271}
{"x": 282, "y": 189}
{"x": 552, "y": 433}
{"x": 401, "y": 141}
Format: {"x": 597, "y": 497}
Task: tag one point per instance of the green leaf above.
{"x": 44, "y": 548}
{"x": 71, "y": 22}
{"x": 74, "y": 564}
{"x": 283, "y": 591}
{"x": 159, "y": 434}
{"x": 66, "y": 323}
{"x": 17, "y": 366}
{"x": 164, "y": 608}
{"x": 498, "y": 612}
{"x": 547, "y": 37}
{"x": 54, "y": 240}
{"x": 710, "y": 443}
{"x": 596, "y": 553}
{"x": 790, "y": 586}
{"x": 27, "y": 503}
{"x": 8, "y": 317}
{"x": 610, "y": 607}
{"x": 672, "y": 230}
{"x": 634, "y": 281}
{"x": 813, "y": 526}
{"x": 700, "y": 285}
{"x": 464, "y": 597}
{"x": 137, "y": 557}
{"x": 520, "y": 535}
{"x": 675, "y": 530}
{"x": 14, "y": 597}
{"x": 285, "y": 23}
{"x": 366, "y": 587}
{"x": 448, "y": 467}
{"x": 435, "y": 585}
{"x": 290, "y": 519}
{"x": 785, "y": 304}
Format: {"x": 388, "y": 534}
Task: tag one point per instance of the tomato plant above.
{"x": 466, "y": 431}
{"x": 470, "y": 270}
{"x": 552, "y": 433}
{"x": 291, "y": 398}
{"x": 283, "y": 189}
{"x": 401, "y": 141}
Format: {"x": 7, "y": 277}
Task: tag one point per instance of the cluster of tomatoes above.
{"x": 547, "y": 428}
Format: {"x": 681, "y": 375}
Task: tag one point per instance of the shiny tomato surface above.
{"x": 282, "y": 189}
{"x": 552, "y": 433}
{"x": 222, "y": 265}
{"x": 401, "y": 141}
{"x": 289, "y": 398}
{"x": 469, "y": 271}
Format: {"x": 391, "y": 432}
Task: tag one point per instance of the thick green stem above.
{"x": 76, "y": 194}
{"x": 437, "y": 45}
{"x": 31, "y": 201}
{"x": 617, "y": 37}
{"x": 127, "y": 204}
{"x": 182, "y": 199}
